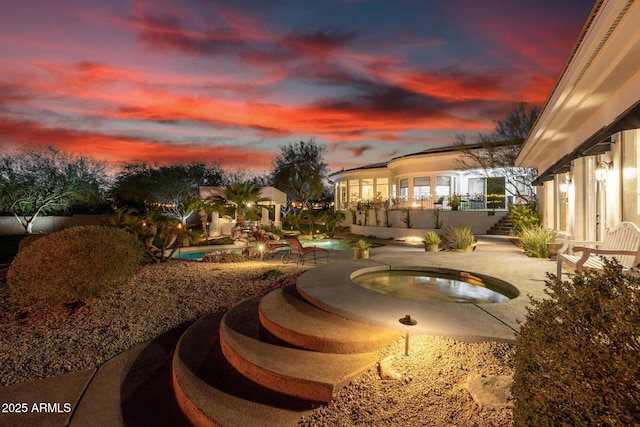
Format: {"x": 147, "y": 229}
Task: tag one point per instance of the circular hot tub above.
{"x": 442, "y": 285}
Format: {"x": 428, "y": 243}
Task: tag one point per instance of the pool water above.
{"x": 329, "y": 244}
{"x": 452, "y": 287}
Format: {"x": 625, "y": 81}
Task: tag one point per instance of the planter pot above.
{"x": 431, "y": 247}
{"x": 553, "y": 249}
{"x": 360, "y": 253}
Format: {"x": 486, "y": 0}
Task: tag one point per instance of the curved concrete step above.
{"x": 211, "y": 393}
{"x": 289, "y": 317}
{"x": 300, "y": 373}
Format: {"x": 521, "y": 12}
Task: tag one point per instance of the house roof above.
{"x": 449, "y": 149}
{"x": 596, "y": 95}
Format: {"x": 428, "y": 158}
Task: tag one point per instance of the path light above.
{"x": 261, "y": 249}
{"x": 408, "y": 322}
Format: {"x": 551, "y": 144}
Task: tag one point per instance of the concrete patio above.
{"x": 129, "y": 388}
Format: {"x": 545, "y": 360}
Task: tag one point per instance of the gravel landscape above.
{"x": 431, "y": 386}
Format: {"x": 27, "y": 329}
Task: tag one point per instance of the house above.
{"x": 420, "y": 182}
{"x": 423, "y": 180}
{"x": 586, "y": 141}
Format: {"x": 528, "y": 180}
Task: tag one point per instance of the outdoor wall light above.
{"x": 602, "y": 170}
{"x": 408, "y": 322}
{"x": 564, "y": 185}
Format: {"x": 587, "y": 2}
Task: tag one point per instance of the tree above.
{"x": 332, "y": 219}
{"x": 300, "y": 171}
{"x": 246, "y": 197}
{"x": 499, "y": 151}
{"x": 172, "y": 189}
{"x": 44, "y": 180}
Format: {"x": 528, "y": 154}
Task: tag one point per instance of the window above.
{"x": 343, "y": 195}
{"x": 496, "y": 189}
{"x": 477, "y": 186}
{"x": 421, "y": 189}
{"x": 367, "y": 189}
{"x": 443, "y": 185}
{"x": 354, "y": 191}
{"x": 382, "y": 188}
{"x": 404, "y": 190}
{"x": 630, "y": 179}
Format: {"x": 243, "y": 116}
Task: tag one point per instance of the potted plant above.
{"x": 454, "y": 202}
{"x": 361, "y": 249}
{"x": 431, "y": 241}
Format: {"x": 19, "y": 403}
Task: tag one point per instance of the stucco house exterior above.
{"x": 586, "y": 142}
{"x": 421, "y": 182}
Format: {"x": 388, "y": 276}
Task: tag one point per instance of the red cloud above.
{"x": 116, "y": 149}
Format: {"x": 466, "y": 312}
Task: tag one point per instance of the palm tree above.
{"x": 332, "y": 220}
{"x": 246, "y": 197}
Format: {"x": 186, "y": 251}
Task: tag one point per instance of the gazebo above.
{"x": 271, "y": 197}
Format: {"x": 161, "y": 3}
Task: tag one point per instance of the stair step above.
{"x": 289, "y": 317}
{"x": 211, "y": 392}
{"x": 300, "y": 373}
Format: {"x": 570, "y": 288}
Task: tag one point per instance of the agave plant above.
{"x": 361, "y": 244}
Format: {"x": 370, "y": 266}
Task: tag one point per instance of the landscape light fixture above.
{"x": 408, "y": 322}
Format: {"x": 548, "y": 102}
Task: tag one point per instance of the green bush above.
{"x": 576, "y": 361}
{"x": 524, "y": 216}
{"x": 271, "y": 273}
{"x": 73, "y": 265}
{"x": 534, "y": 240}
{"x": 458, "y": 237}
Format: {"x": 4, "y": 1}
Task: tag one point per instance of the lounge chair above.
{"x": 298, "y": 252}
{"x": 268, "y": 247}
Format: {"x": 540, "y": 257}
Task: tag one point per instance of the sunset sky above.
{"x": 231, "y": 81}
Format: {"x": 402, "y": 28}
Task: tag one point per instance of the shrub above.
{"x": 576, "y": 360}
{"x": 28, "y": 240}
{"x": 223, "y": 257}
{"x": 458, "y": 237}
{"x": 431, "y": 237}
{"x": 268, "y": 274}
{"x": 73, "y": 265}
{"x": 524, "y": 216}
{"x": 534, "y": 240}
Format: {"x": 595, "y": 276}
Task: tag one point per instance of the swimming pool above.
{"x": 197, "y": 252}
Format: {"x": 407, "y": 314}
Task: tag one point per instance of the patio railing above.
{"x": 478, "y": 202}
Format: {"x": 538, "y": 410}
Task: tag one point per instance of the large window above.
{"x": 343, "y": 195}
{"x": 443, "y": 185}
{"x": 496, "y": 189}
{"x": 630, "y": 181}
{"x": 382, "y": 188}
{"x": 354, "y": 191}
{"x": 421, "y": 189}
{"x": 367, "y": 189}
{"x": 477, "y": 187}
{"x": 404, "y": 190}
